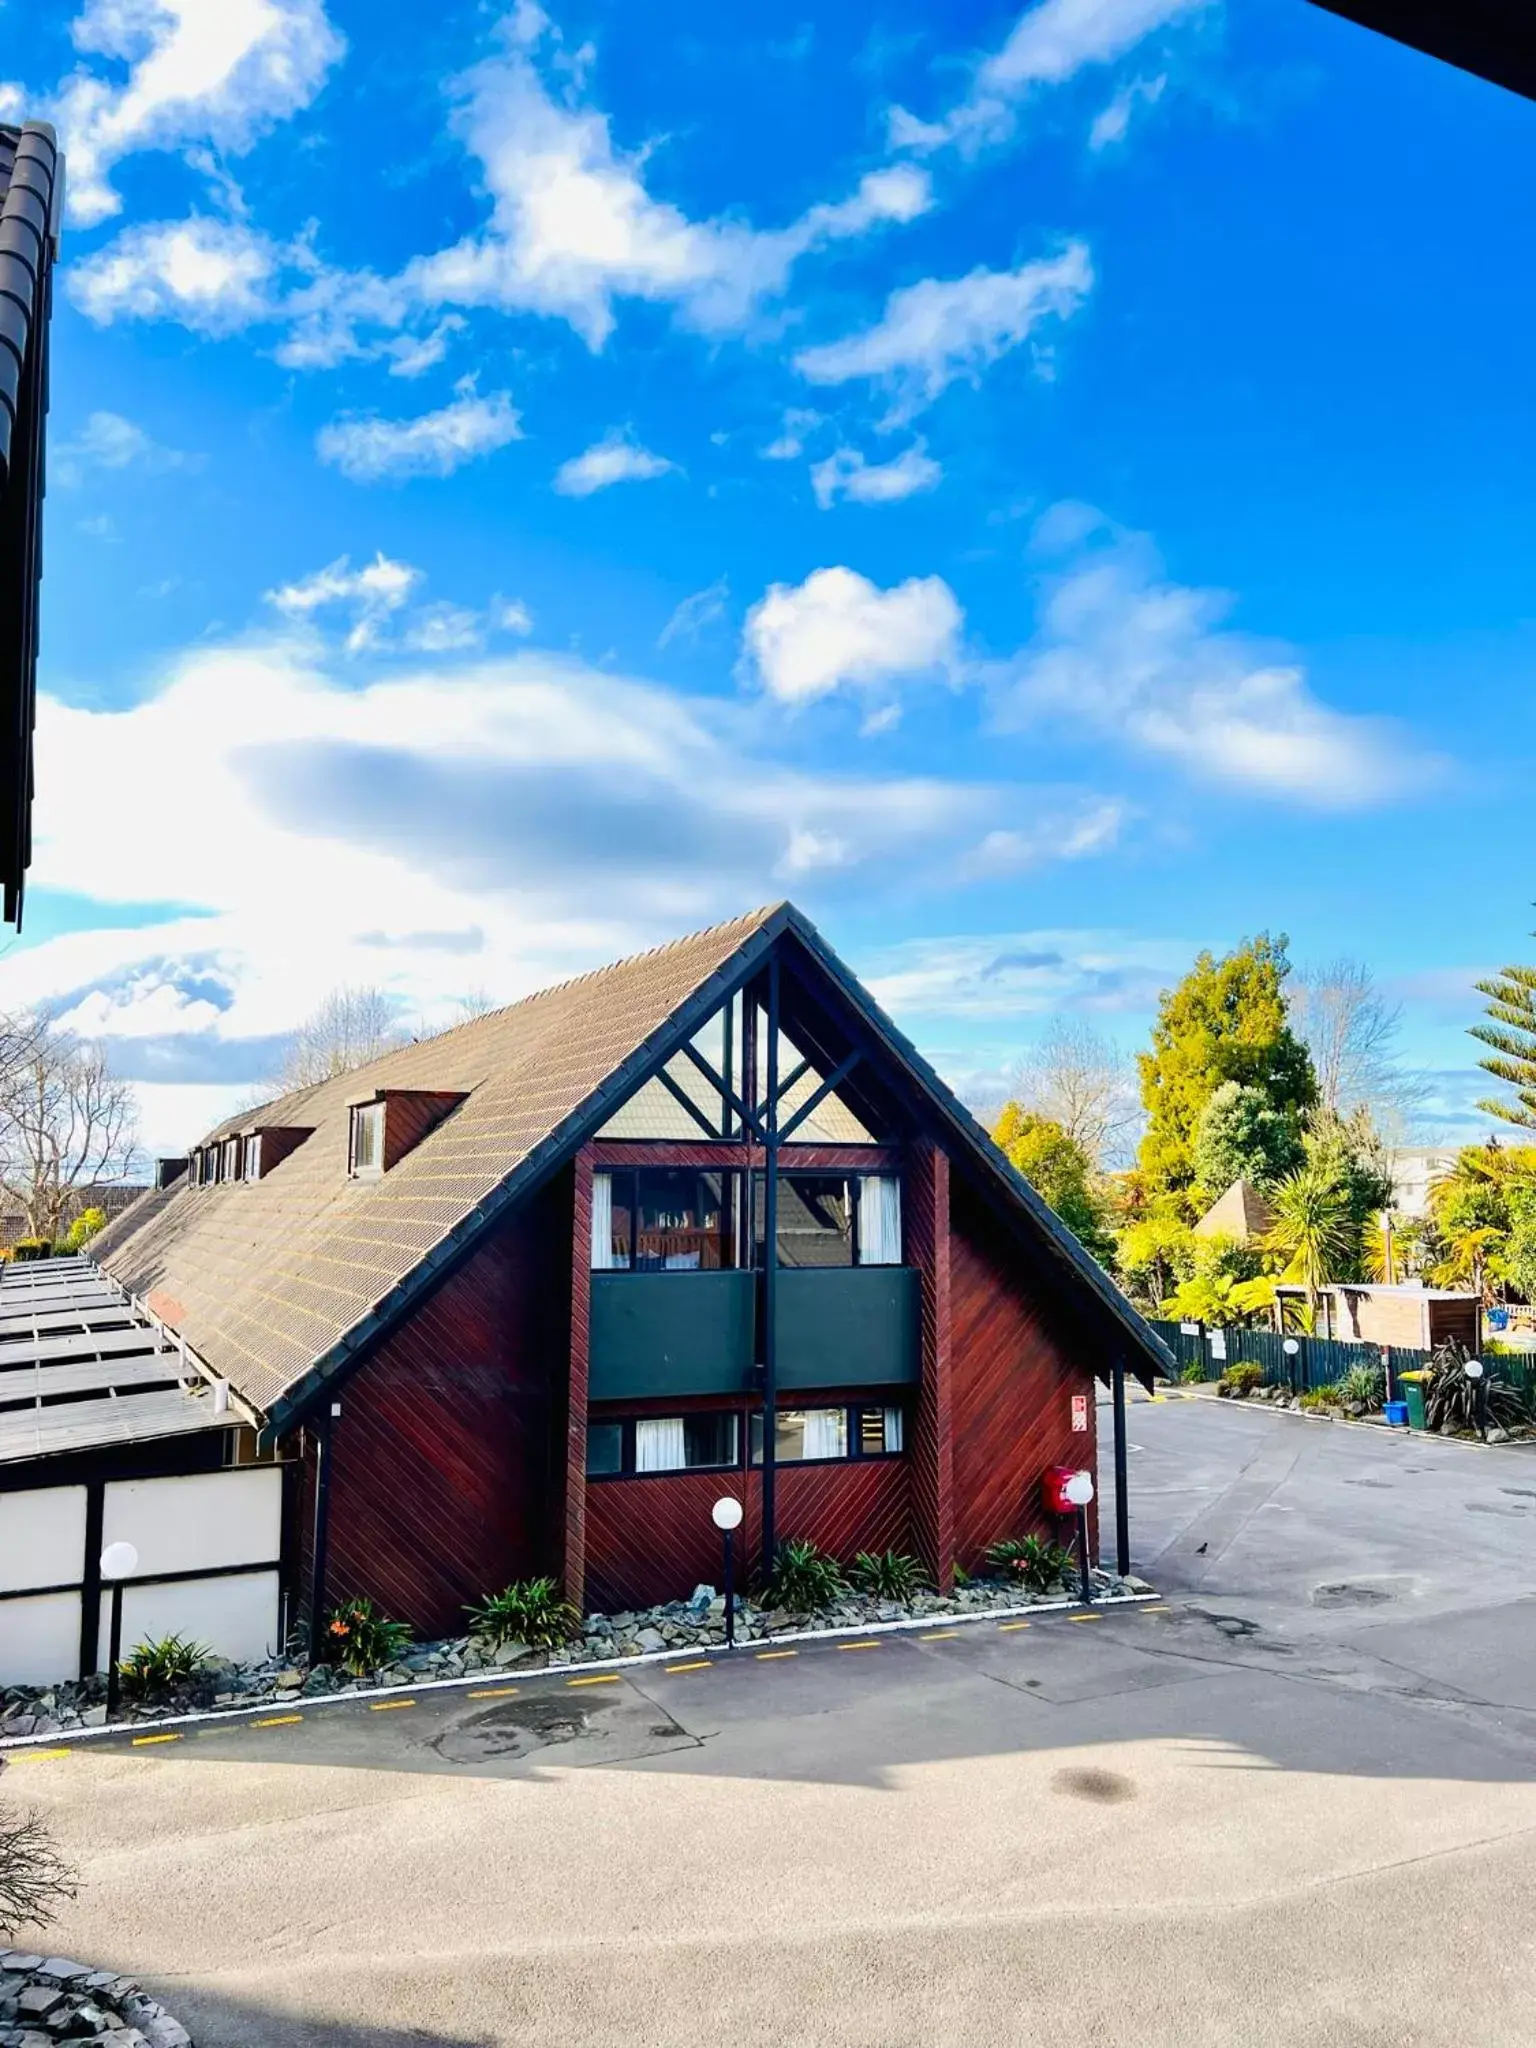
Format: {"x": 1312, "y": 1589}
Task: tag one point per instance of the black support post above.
{"x": 771, "y": 1270}
{"x": 1122, "y": 1503}
{"x": 321, "y": 1542}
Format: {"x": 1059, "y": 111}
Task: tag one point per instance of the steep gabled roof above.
{"x": 1241, "y": 1212}
{"x": 279, "y": 1283}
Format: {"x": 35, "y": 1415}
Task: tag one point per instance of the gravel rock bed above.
{"x": 695, "y": 1623}
{"x": 45, "y": 2000}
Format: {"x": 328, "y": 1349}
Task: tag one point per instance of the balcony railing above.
{"x": 659, "y": 1335}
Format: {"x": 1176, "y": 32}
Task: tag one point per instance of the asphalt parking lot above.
{"x": 1295, "y": 1799}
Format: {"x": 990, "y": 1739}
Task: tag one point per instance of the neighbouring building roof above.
{"x": 31, "y": 194}
{"x": 1241, "y": 1212}
{"x": 83, "y": 1368}
{"x": 275, "y": 1283}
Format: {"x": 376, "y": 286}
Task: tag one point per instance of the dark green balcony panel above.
{"x": 655, "y": 1335}
{"x": 848, "y": 1326}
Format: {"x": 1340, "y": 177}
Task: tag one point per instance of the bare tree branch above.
{"x": 66, "y": 1121}
{"x": 350, "y": 1028}
{"x": 34, "y": 1879}
{"x": 1082, "y": 1081}
{"x": 1351, "y": 1031}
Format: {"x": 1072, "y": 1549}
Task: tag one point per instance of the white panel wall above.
{"x": 39, "y": 1639}
{"x": 42, "y": 1540}
{"x": 235, "y": 1618}
{"x": 198, "y": 1521}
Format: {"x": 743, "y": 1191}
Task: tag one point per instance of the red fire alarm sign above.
{"x": 1079, "y": 1412}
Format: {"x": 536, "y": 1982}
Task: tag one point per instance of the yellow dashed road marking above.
{"x": 599, "y": 1678}
{"x": 1004, "y": 1626}
{"x": 388, "y": 1706}
{"x": 858, "y": 1646}
{"x": 940, "y": 1635}
{"x": 492, "y": 1692}
{"x": 1085, "y": 1617}
{"x": 139, "y": 1741}
{"x": 702, "y": 1665}
{"x": 35, "y": 1756}
{"x": 769, "y": 1656}
{"x": 278, "y": 1721}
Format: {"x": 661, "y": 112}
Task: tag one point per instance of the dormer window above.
{"x": 252, "y": 1162}
{"x": 229, "y": 1160}
{"x": 365, "y": 1151}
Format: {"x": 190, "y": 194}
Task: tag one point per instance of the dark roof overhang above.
{"x": 1494, "y": 39}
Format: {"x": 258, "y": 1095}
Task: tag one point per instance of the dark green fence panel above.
{"x": 1316, "y": 1361}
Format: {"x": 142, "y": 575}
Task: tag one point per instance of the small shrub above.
{"x": 1451, "y": 1400}
{"x": 529, "y": 1611}
{"x": 161, "y": 1665}
{"x": 1320, "y": 1397}
{"x": 804, "y": 1580}
{"x": 1040, "y": 1565}
{"x": 891, "y": 1575}
{"x": 1193, "y": 1374}
{"x": 1362, "y": 1384}
{"x": 34, "y": 1879}
{"x": 361, "y": 1640}
{"x": 1241, "y": 1379}
{"x": 962, "y": 1577}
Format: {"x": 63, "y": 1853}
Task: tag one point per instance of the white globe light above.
{"x": 1473, "y": 1368}
{"x": 1079, "y": 1489}
{"x": 119, "y": 1561}
{"x": 1290, "y": 1347}
{"x": 726, "y": 1512}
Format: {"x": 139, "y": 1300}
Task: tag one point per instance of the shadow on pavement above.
{"x": 217, "y": 2022}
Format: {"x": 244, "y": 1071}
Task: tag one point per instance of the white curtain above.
{"x": 602, "y": 1221}
{"x": 879, "y": 1220}
{"x": 826, "y": 1432}
{"x": 893, "y": 1429}
{"x": 660, "y": 1446}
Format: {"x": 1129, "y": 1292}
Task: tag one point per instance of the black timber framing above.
{"x": 1493, "y": 39}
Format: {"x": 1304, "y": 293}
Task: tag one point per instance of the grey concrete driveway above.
{"x": 1297, "y": 1805}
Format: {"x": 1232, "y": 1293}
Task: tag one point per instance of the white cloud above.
{"x": 444, "y": 629}
{"x": 215, "y": 277}
{"x": 1068, "y": 834}
{"x": 1020, "y": 974}
{"x": 1113, "y": 124}
{"x": 108, "y": 441}
{"x": 573, "y": 228}
{"x": 696, "y": 614}
{"x": 434, "y": 444}
{"x": 617, "y": 459}
{"x": 198, "y": 72}
{"x": 511, "y": 615}
{"x": 790, "y": 440}
{"x": 847, "y": 474}
{"x": 1049, "y": 44}
{"x": 528, "y": 808}
{"x": 1127, "y": 656}
{"x": 370, "y": 594}
{"x": 943, "y": 328}
{"x": 837, "y": 627}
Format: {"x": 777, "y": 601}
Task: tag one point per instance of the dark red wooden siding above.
{"x": 652, "y": 1539}
{"x": 447, "y": 1457}
{"x": 932, "y": 1448}
{"x": 1014, "y": 1372}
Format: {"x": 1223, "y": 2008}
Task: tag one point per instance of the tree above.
{"x": 1483, "y": 1217}
{"x": 350, "y": 1028}
{"x": 88, "y": 1224}
{"x": 34, "y": 1879}
{"x": 1083, "y": 1082}
{"x": 1213, "y": 1293}
{"x": 66, "y": 1122}
{"x": 1351, "y": 1031}
{"x": 1225, "y": 1021}
{"x": 1156, "y": 1253}
{"x": 1060, "y": 1172}
{"x": 1240, "y": 1137}
{"x": 1511, "y": 1033}
{"x": 1314, "y": 1233}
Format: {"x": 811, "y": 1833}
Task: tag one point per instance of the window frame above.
{"x": 626, "y": 1425}
{"x": 852, "y": 1178}
{"x": 250, "y": 1163}
{"x": 231, "y": 1159}
{"x": 625, "y": 1182}
{"x": 357, "y": 1111}
{"x": 746, "y": 1460}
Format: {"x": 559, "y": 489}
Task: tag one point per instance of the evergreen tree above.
{"x": 1512, "y": 1034}
{"x": 1240, "y": 1137}
{"x": 1060, "y": 1172}
{"x": 1225, "y": 1021}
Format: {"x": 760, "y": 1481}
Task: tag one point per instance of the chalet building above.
{"x": 532, "y": 1295}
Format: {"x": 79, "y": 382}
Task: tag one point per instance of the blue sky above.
{"x": 1048, "y": 490}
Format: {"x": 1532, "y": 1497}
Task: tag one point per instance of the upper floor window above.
{"x": 365, "y": 1154}
{"x": 253, "y": 1157}
{"x": 663, "y": 1219}
{"x": 229, "y": 1159}
{"x": 831, "y": 1219}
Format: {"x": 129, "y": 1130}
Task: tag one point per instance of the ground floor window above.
{"x": 713, "y": 1441}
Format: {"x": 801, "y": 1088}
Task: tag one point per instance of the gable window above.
{"x": 834, "y": 1219}
{"x": 663, "y": 1220}
{"x": 365, "y": 1151}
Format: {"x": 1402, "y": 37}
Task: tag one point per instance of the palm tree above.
{"x": 1313, "y": 1230}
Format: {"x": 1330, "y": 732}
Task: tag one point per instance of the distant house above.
{"x": 1241, "y": 1213}
{"x": 1410, "y": 1318}
{"x": 532, "y": 1295}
